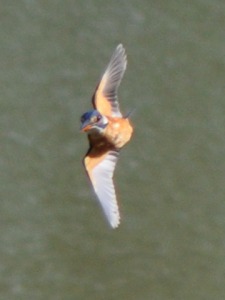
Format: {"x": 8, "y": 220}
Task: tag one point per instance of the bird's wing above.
{"x": 100, "y": 170}
{"x": 105, "y": 96}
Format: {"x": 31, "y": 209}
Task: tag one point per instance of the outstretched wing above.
{"x": 105, "y": 96}
{"x": 100, "y": 170}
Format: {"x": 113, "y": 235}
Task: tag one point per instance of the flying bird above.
{"x": 108, "y": 131}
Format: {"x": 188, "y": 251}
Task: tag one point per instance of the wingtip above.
{"x": 114, "y": 221}
{"x": 115, "y": 225}
{"x": 120, "y": 52}
{"x": 120, "y": 48}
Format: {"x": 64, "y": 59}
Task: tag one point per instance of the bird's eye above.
{"x": 93, "y": 119}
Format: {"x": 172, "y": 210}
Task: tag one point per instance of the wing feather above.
{"x": 105, "y": 96}
{"x": 100, "y": 170}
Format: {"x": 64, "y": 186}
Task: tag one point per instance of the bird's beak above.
{"x": 86, "y": 126}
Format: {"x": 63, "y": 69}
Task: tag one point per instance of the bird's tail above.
{"x": 130, "y": 113}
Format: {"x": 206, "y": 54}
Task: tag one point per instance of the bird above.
{"x": 108, "y": 131}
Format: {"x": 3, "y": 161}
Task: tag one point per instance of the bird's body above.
{"x": 118, "y": 131}
{"x": 108, "y": 131}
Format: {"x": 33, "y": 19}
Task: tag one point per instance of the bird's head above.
{"x": 93, "y": 120}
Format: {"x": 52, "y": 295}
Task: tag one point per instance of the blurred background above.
{"x": 54, "y": 241}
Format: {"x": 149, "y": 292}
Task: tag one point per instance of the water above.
{"x": 55, "y": 243}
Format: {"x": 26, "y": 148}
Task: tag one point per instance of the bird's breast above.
{"x": 118, "y": 131}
